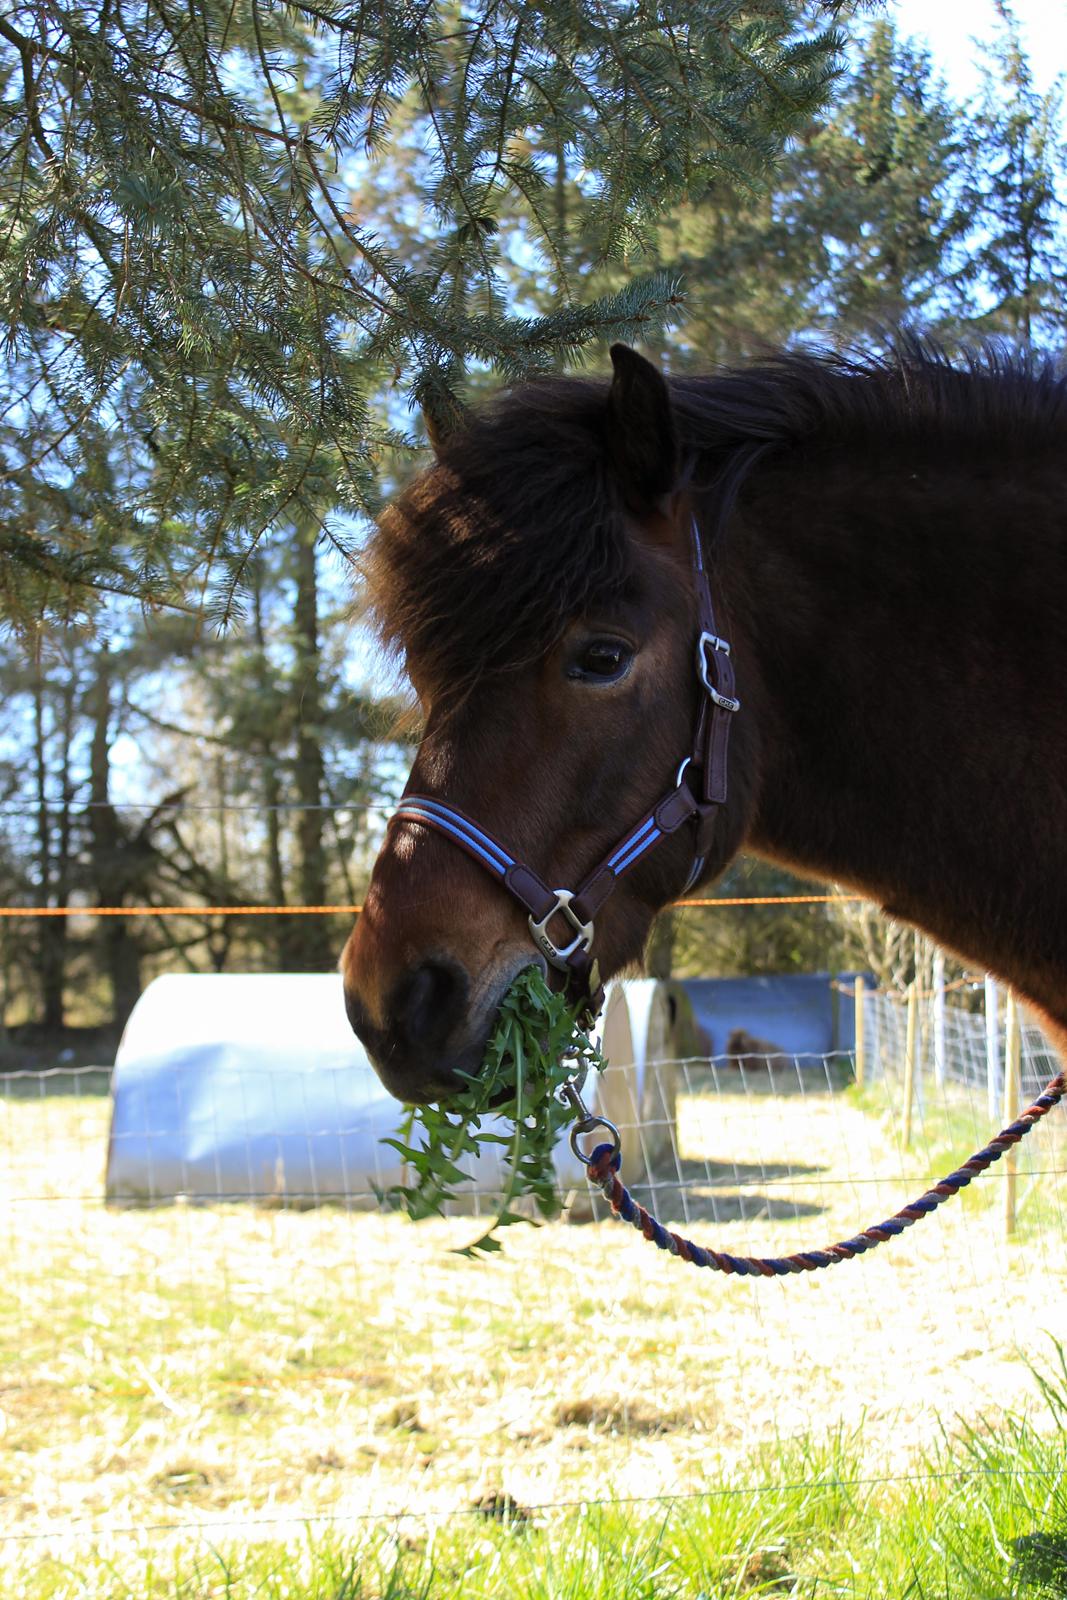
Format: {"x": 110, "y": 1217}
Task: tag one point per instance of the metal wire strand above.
{"x": 606, "y": 1160}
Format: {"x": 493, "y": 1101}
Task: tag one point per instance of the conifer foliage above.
{"x": 1017, "y": 182}
{"x": 201, "y": 323}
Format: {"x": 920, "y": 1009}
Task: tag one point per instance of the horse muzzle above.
{"x": 434, "y": 1028}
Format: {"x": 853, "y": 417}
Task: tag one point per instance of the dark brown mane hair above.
{"x": 516, "y": 528}
{"x": 483, "y": 561}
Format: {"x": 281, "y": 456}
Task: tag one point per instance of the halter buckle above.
{"x": 555, "y": 955}
{"x": 711, "y": 641}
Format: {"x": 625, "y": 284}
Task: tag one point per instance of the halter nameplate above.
{"x": 583, "y": 932}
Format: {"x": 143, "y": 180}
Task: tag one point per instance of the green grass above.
{"x": 983, "y": 1518}
{"x": 946, "y": 1128}
{"x": 205, "y": 1402}
{"x": 949, "y": 1127}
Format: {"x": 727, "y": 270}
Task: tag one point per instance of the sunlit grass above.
{"x": 984, "y": 1517}
{"x": 234, "y": 1401}
{"x": 949, "y": 1125}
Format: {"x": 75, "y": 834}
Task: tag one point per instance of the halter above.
{"x": 578, "y": 907}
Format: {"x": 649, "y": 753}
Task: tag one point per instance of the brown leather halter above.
{"x": 686, "y": 800}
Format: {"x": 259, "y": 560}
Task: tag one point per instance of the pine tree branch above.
{"x": 29, "y": 85}
{"x": 251, "y": 543}
{"x": 198, "y": 735}
{"x": 248, "y": 318}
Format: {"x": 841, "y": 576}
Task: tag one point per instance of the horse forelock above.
{"x": 482, "y": 562}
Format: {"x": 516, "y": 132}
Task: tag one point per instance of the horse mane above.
{"x": 914, "y": 400}
{"x": 486, "y": 557}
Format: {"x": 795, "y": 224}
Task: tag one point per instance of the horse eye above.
{"x": 601, "y": 661}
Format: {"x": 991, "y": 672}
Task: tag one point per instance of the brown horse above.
{"x": 886, "y": 547}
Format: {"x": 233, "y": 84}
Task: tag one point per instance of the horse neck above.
{"x": 890, "y": 642}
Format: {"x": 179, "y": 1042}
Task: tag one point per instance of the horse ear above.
{"x": 433, "y": 433}
{"x": 642, "y": 442}
{"x": 443, "y": 412}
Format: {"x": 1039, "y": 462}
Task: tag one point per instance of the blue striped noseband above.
{"x": 688, "y": 800}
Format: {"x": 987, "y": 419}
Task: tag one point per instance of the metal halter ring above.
{"x": 583, "y": 931}
{"x": 572, "y": 1092}
{"x": 704, "y": 643}
{"x": 587, "y": 1126}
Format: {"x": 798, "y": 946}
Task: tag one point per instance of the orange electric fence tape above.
{"x": 773, "y": 900}
{"x": 324, "y": 911}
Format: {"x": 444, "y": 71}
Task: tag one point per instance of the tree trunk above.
{"x": 316, "y": 944}
{"x": 220, "y": 936}
{"x": 109, "y": 856}
{"x": 282, "y": 929}
{"x": 52, "y": 931}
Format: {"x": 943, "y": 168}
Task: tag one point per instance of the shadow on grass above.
{"x": 713, "y": 1191}
{"x": 701, "y": 1203}
{"x": 1041, "y": 1562}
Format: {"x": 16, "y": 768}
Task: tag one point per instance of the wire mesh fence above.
{"x": 192, "y": 1371}
{"x": 956, "y": 1045}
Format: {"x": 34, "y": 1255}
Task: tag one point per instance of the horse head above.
{"x": 538, "y": 580}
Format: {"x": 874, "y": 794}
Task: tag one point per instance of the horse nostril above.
{"x": 429, "y": 1002}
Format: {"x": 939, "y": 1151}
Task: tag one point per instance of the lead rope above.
{"x": 603, "y": 1165}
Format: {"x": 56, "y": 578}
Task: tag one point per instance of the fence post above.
{"x": 1011, "y": 1107}
{"x": 909, "y": 1059}
{"x": 861, "y": 1041}
{"x": 992, "y": 1048}
{"x": 939, "y": 1018}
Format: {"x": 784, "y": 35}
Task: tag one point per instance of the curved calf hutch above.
{"x": 638, "y": 1092}
{"x": 247, "y": 1087}
{"x": 617, "y": 1092}
{"x": 252, "y": 1086}
{"x": 794, "y": 1022}
{"x": 655, "y": 1034}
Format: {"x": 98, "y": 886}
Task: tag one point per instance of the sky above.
{"x": 951, "y": 26}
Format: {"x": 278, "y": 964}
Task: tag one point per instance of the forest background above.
{"x": 246, "y": 248}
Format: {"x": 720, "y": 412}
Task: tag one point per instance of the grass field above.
{"x": 236, "y": 1401}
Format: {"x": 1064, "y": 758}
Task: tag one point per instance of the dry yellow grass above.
{"x": 217, "y": 1366}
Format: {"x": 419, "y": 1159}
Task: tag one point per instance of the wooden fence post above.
{"x": 992, "y": 1049}
{"x": 909, "y": 1059}
{"x": 939, "y": 1018}
{"x": 1012, "y": 1042}
{"x": 861, "y": 1041}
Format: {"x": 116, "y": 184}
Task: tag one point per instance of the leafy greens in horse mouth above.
{"x": 535, "y": 1049}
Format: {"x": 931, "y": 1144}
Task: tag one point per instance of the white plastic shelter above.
{"x": 253, "y": 1086}
{"x": 639, "y": 1090}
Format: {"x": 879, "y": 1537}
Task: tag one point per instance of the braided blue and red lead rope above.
{"x": 605, "y": 1161}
